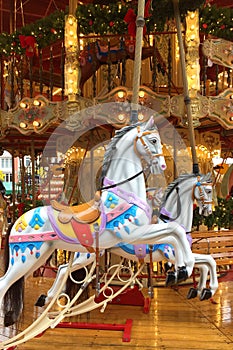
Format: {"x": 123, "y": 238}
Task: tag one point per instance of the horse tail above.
{"x": 13, "y": 299}
{"x": 6, "y": 248}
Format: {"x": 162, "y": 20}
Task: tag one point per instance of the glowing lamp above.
{"x": 23, "y": 125}
{"x": 141, "y": 94}
{"x": 120, "y": 94}
{"x": 36, "y": 123}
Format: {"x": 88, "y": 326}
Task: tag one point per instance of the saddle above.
{"x": 85, "y": 213}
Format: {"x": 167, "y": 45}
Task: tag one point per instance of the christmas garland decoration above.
{"x": 114, "y": 19}
{"x": 217, "y": 22}
{"x": 45, "y": 32}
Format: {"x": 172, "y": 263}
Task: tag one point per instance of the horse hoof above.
{"x": 9, "y": 319}
{"x": 170, "y": 279}
{"x": 182, "y": 274}
{"x": 41, "y": 300}
{"x": 167, "y": 266}
{"x": 205, "y": 294}
{"x": 192, "y": 293}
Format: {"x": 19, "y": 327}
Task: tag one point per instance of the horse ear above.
{"x": 150, "y": 123}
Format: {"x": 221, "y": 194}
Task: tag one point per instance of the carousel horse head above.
{"x": 203, "y": 193}
{"x": 147, "y": 145}
{"x": 182, "y": 193}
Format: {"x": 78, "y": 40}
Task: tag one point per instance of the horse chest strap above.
{"x": 119, "y": 210}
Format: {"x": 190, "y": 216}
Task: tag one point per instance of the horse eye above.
{"x": 154, "y": 141}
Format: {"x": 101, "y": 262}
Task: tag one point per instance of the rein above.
{"x": 121, "y": 182}
{"x": 202, "y": 198}
{"x": 164, "y": 217}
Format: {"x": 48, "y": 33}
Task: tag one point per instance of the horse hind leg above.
{"x": 81, "y": 260}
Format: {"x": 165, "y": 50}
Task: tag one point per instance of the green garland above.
{"x": 217, "y": 22}
{"x": 46, "y": 31}
{"x": 110, "y": 19}
{"x": 102, "y": 20}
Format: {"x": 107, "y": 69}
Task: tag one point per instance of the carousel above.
{"x": 121, "y": 118}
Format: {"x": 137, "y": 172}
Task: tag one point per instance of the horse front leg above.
{"x": 206, "y": 265}
{"x": 168, "y": 233}
{"x": 203, "y": 275}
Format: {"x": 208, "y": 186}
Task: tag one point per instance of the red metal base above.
{"x": 126, "y": 328}
{"x": 131, "y": 296}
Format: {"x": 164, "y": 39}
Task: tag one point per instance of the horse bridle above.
{"x": 199, "y": 185}
{"x": 201, "y": 193}
{"x": 145, "y": 146}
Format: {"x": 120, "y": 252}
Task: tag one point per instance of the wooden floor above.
{"x": 173, "y": 323}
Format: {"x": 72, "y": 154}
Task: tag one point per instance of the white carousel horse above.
{"x": 124, "y": 216}
{"x": 177, "y": 203}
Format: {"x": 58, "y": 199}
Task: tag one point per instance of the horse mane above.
{"x": 182, "y": 177}
{"x": 110, "y": 150}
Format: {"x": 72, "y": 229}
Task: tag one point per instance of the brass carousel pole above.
{"x": 13, "y": 187}
{"x": 187, "y": 99}
{"x": 140, "y": 22}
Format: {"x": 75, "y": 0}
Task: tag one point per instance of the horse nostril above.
{"x": 163, "y": 166}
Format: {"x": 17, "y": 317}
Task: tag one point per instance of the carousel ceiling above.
{"x": 18, "y": 13}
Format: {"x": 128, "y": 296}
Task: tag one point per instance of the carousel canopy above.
{"x": 18, "y": 14}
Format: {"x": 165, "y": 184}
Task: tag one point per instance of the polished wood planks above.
{"x": 173, "y": 323}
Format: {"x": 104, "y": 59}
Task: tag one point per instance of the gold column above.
{"x": 72, "y": 71}
{"x": 192, "y": 41}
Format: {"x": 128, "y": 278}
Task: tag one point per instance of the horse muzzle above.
{"x": 158, "y": 165}
{"x": 205, "y": 211}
